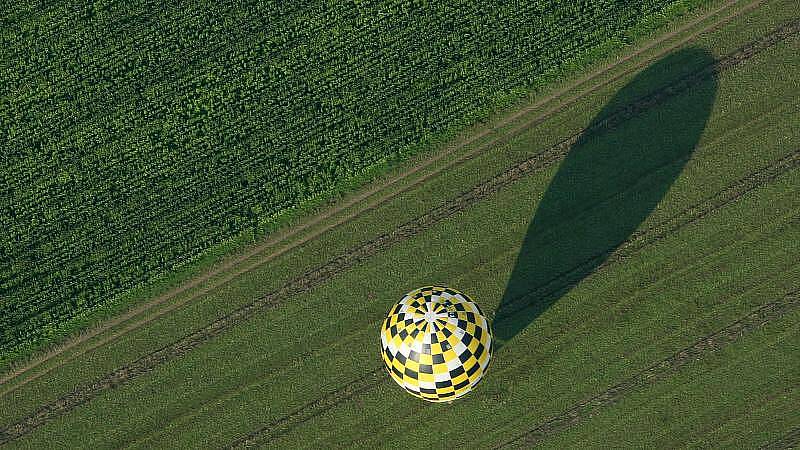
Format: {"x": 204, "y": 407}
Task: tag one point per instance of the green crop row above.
{"x": 137, "y": 135}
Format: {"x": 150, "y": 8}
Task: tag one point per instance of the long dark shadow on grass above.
{"x": 607, "y": 185}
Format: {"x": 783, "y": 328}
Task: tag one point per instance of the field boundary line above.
{"x": 709, "y": 344}
{"x": 358, "y": 197}
{"x": 313, "y": 278}
{"x": 629, "y": 248}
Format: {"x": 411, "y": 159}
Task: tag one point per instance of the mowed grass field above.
{"x": 636, "y": 240}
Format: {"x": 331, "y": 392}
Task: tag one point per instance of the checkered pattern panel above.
{"x": 436, "y": 343}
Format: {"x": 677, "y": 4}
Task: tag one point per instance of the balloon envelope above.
{"x": 436, "y": 343}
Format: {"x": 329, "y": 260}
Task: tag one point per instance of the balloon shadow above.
{"x": 607, "y": 185}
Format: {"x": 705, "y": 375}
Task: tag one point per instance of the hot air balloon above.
{"x": 436, "y": 343}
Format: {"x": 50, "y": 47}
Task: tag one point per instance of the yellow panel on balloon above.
{"x": 436, "y": 343}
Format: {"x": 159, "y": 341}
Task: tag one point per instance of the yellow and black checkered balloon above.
{"x": 436, "y": 343}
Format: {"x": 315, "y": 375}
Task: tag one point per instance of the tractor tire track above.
{"x": 341, "y": 263}
{"x": 645, "y": 238}
{"x": 512, "y": 366}
{"x": 237, "y": 261}
{"x": 312, "y": 409}
{"x": 555, "y": 287}
{"x": 789, "y": 440}
{"x": 567, "y": 280}
{"x": 558, "y": 285}
{"x": 714, "y": 342}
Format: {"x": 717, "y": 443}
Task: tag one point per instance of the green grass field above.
{"x": 635, "y": 239}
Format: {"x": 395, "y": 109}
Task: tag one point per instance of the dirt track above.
{"x": 554, "y": 288}
{"x": 566, "y": 281}
{"x": 344, "y": 261}
{"x": 241, "y": 264}
{"x": 708, "y": 344}
{"x": 627, "y": 249}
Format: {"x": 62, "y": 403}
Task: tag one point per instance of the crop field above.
{"x": 138, "y": 136}
{"x": 631, "y": 229}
